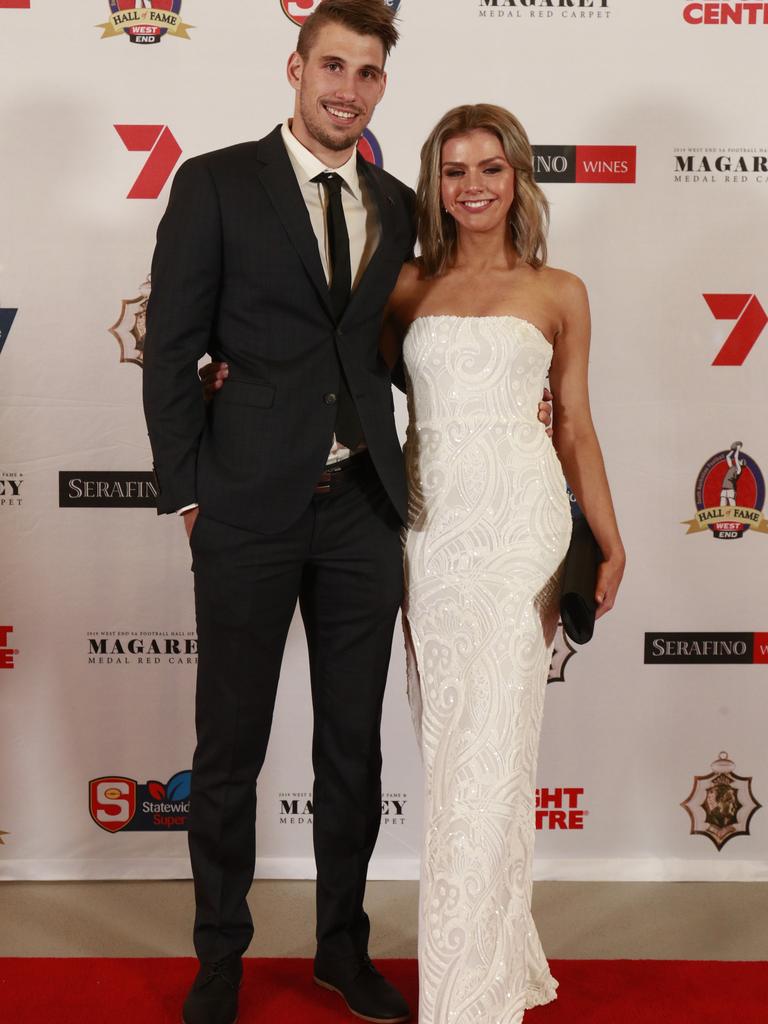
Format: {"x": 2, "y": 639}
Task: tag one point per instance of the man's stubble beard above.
{"x": 335, "y": 143}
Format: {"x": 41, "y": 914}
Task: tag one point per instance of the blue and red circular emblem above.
{"x": 368, "y": 147}
{"x": 730, "y": 494}
{"x": 142, "y": 32}
{"x": 299, "y": 10}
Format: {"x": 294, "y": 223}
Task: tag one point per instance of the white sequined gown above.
{"x": 489, "y": 525}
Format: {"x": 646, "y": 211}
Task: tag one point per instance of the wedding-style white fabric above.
{"x": 488, "y": 528}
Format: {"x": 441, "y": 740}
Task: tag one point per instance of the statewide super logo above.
{"x": 299, "y": 10}
{"x": 730, "y": 494}
{"x": 119, "y": 804}
{"x": 721, "y": 804}
{"x": 145, "y": 21}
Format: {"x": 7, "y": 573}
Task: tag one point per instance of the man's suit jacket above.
{"x": 237, "y": 274}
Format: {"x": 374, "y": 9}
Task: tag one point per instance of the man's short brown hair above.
{"x": 366, "y": 17}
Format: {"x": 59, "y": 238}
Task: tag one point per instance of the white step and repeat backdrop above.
{"x": 652, "y": 146}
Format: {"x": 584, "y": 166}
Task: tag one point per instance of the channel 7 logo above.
{"x": 750, "y": 319}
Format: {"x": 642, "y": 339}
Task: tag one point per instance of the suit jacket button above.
{"x": 330, "y": 398}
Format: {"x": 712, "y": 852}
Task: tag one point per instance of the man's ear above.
{"x": 294, "y": 70}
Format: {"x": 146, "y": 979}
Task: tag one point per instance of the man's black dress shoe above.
{"x": 213, "y": 997}
{"x": 367, "y": 993}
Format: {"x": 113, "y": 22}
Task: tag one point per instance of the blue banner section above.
{"x": 7, "y": 316}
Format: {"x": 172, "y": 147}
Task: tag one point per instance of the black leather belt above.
{"x": 338, "y": 472}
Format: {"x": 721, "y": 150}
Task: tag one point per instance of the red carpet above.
{"x": 130, "y": 991}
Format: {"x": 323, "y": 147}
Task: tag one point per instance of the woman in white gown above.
{"x": 482, "y": 322}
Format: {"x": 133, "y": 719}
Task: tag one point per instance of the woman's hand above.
{"x": 212, "y": 376}
{"x": 609, "y": 575}
{"x": 545, "y": 410}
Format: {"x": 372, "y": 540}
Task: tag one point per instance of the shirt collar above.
{"x": 307, "y": 166}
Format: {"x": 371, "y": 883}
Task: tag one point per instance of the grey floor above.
{"x": 627, "y": 920}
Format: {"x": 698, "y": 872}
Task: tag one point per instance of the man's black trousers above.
{"x": 342, "y": 562}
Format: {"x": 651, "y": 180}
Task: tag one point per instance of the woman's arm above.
{"x": 575, "y": 438}
{"x": 396, "y": 320}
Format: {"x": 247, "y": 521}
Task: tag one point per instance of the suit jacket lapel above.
{"x": 279, "y": 181}
{"x": 386, "y": 205}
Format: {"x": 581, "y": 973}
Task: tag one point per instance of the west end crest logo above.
{"x": 299, "y": 10}
{"x": 721, "y": 804}
{"x": 730, "y": 494}
{"x": 130, "y": 328}
{"x": 145, "y": 21}
{"x": 562, "y": 652}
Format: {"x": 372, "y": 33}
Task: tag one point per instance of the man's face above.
{"x": 337, "y": 88}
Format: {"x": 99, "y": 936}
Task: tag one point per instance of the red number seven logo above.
{"x": 750, "y": 320}
{"x": 164, "y": 152}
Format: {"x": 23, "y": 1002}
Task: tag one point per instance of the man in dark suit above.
{"x": 277, "y": 257}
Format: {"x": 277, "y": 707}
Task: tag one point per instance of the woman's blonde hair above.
{"x": 529, "y": 216}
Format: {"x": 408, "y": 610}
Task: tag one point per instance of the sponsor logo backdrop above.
{"x": 658, "y": 190}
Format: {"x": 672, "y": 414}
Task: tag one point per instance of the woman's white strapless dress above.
{"x": 488, "y": 527}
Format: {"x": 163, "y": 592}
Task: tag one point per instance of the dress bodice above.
{"x": 482, "y": 370}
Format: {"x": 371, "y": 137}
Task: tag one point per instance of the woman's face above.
{"x": 477, "y": 184}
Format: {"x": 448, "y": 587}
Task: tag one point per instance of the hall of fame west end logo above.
{"x": 729, "y": 494}
{"x": 145, "y": 22}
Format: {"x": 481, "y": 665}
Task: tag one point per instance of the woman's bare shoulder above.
{"x": 566, "y": 290}
{"x": 562, "y": 280}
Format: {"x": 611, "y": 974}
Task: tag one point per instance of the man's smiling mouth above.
{"x": 339, "y": 113}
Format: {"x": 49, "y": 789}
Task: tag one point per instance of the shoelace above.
{"x": 218, "y": 970}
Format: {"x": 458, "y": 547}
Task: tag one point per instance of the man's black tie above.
{"x": 349, "y": 431}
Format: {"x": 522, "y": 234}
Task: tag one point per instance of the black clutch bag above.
{"x": 577, "y": 597}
